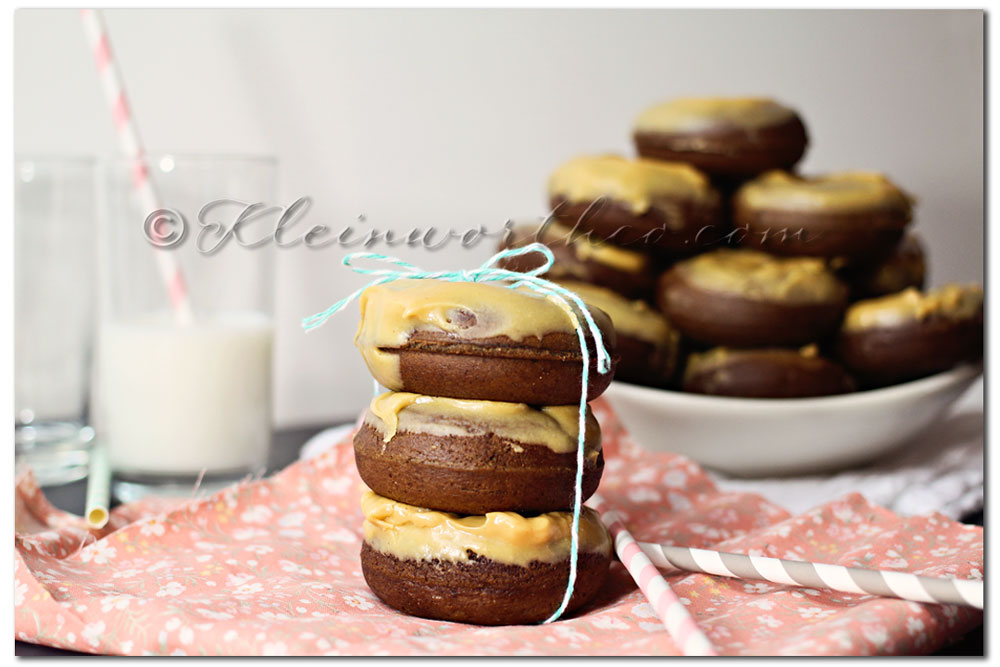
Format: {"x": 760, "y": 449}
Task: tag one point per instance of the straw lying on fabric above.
{"x": 886, "y": 583}
{"x": 668, "y": 607}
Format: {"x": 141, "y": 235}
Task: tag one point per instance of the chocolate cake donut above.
{"x": 581, "y": 256}
{"x": 857, "y": 215}
{"x": 745, "y": 298}
{"x": 647, "y": 344}
{"x": 642, "y": 205}
{"x": 911, "y": 334}
{"x": 906, "y": 266}
{"x": 499, "y": 568}
{"x": 479, "y": 341}
{"x": 472, "y": 457}
{"x": 765, "y": 373}
{"x": 727, "y": 138}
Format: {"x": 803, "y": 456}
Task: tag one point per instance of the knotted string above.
{"x": 489, "y": 272}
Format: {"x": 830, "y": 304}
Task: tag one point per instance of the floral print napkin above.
{"x": 271, "y": 567}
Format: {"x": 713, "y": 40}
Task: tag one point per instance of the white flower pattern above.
{"x": 170, "y": 589}
{"x": 92, "y": 633}
{"x": 152, "y": 528}
{"x": 357, "y": 602}
{"x": 271, "y": 567}
{"x": 100, "y": 552}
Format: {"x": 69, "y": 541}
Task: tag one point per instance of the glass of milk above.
{"x": 183, "y": 399}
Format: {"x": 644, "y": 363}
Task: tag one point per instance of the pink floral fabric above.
{"x": 271, "y": 568}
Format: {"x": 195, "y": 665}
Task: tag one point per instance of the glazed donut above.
{"x": 647, "y": 343}
{"x": 471, "y": 457}
{"x": 745, "y": 298}
{"x": 765, "y": 373}
{"x": 856, "y": 215}
{"x": 906, "y": 266}
{"x": 477, "y": 340}
{"x": 499, "y": 568}
{"x": 911, "y": 334}
{"x": 643, "y": 205}
{"x": 727, "y": 138}
{"x": 580, "y": 257}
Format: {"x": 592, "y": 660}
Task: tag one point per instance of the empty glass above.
{"x": 54, "y": 286}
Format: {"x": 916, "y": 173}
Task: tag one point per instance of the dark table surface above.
{"x": 284, "y": 450}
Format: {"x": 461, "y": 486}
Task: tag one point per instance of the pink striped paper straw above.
{"x": 128, "y": 136}
{"x": 671, "y": 611}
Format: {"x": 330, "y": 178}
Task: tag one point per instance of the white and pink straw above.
{"x": 128, "y": 136}
{"x": 858, "y": 580}
{"x": 668, "y": 607}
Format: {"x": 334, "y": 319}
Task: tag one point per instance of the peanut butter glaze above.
{"x": 698, "y": 114}
{"x": 586, "y": 248}
{"x": 905, "y": 268}
{"x": 757, "y": 275}
{"x": 392, "y": 312}
{"x": 639, "y": 184}
{"x": 631, "y": 318}
{"x": 952, "y": 301}
{"x": 554, "y": 426}
{"x": 835, "y": 193}
{"x": 409, "y": 532}
{"x": 700, "y": 362}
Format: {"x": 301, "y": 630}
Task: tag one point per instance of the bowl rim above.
{"x": 930, "y": 384}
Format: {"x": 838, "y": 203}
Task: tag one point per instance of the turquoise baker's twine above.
{"x": 490, "y": 273}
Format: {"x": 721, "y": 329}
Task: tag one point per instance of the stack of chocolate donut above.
{"x": 471, "y": 456}
{"x": 726, "y": 273}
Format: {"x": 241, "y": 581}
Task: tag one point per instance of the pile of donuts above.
{"x": 470, "y": 458}
{"x": 727, "y": 273}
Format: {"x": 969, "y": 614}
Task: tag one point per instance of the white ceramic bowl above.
{"x": 755, "y": 437}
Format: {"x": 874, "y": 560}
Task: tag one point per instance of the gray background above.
{"x": 455, "y": 118}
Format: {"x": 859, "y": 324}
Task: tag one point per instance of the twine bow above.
{"x": 489, "y": 272}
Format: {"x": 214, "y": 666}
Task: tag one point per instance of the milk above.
{"x": 180, "y": 400}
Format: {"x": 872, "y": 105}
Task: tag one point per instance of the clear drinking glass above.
{"x": 54, "y": 285}
{"x": 185, "y": 402}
